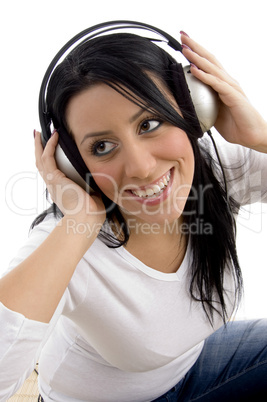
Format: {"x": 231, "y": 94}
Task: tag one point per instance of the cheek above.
{"x": 176, "y": 146}
{"x": 106, "y": 180}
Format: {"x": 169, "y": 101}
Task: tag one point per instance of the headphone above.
{"x": 203, "y": 98}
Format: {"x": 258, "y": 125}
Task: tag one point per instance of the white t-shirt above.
{"x": 122, "y": 331}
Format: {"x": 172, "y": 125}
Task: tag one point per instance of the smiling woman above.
{"x": 137, "y": 154}
{"x": 136, "y": 278}
{"x": 95, "y": 93}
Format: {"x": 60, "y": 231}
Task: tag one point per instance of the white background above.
{"x": 31, "y": 34}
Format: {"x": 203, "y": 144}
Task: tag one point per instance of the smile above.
{"x": 155, "y": 189}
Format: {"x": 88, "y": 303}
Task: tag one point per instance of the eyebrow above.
{"x": 108, "y": 132}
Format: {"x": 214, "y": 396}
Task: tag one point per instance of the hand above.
{"x": 67, "y": 195}
{"x": 238, "y": 122}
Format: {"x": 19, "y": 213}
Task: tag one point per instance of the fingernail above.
{"x": 186, "y": 47}
{"x": 34, "y": 133}
{"x": 184, "y": 33}
{"x": 194, "y": 66}
{"x": 53, "y": 132}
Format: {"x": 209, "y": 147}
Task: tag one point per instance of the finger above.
{"x": 211, "y": 67}
{"x": 48, "y": 155}
{"x": 229, "y": 95}
{"x": 200, "y": 50}
{"x": 38, "y": 144}
{"x": 39, "y": 149}
{"x": 213, "y": 74}
{"x": 45, "y": 157}
{"x": 204, "y": 63}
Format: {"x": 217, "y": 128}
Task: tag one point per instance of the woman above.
{"x": 122, "y": 294}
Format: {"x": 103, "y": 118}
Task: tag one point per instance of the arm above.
{"x": 238, "y": 122}
{"x": 35, "y": 287}
{"x": 20, "y": 346}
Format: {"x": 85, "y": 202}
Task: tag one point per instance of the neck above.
{"x": 161, "y": 247}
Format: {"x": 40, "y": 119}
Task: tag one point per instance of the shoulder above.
{"x": 245, "y": 170}
{"x": 231, "y": 155}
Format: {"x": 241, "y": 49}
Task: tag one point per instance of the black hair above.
{"x": 123, "y": 61}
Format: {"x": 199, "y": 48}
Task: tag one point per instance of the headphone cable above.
{"x": 220, "y": 163}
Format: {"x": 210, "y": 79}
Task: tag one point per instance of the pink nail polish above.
{"x": 184, "y": 33}
{"x": 34, "y": 133}
{"x": 186, "y": 47}
{"x": 194, "y": 66}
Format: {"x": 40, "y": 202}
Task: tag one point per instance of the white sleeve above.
{"x": 21, "y": 343}
{"x": 245, "y": 171}
{"x": 36, "y": 237}
{"x": 21, "y": 339}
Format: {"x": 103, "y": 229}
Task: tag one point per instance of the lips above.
{"x": 154, "y": 190}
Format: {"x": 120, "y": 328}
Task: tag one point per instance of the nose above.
{"x": 139, "y": 161}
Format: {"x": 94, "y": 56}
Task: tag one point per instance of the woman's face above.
{"x": 143, "y": 164}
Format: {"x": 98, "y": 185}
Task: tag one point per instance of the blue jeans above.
{"x": 232, "y": 367}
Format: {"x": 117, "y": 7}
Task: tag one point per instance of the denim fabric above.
{"x": 232, "y": 367}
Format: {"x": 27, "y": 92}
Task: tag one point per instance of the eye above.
{"x": 149, "y": 125}
{"x": 101, "y": 148}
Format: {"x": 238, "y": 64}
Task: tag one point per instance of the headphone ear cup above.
{"x": 68, "y": 169}
{"x": 205, "y": 99}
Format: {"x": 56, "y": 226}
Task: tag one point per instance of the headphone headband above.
{"x": 97, "y": 30}
{"x": 203, "y": 101}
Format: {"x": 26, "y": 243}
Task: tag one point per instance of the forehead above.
{"x": 102, "y": 97}
{"x": 95, "y": 103}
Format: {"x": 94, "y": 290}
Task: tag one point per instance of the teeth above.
{"x": 149, "y": 192}
{"x": 140, "y": 193}
{"x": 155, "y": 189}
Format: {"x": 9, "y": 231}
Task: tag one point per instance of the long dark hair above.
{"x": 123, "y": 61}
